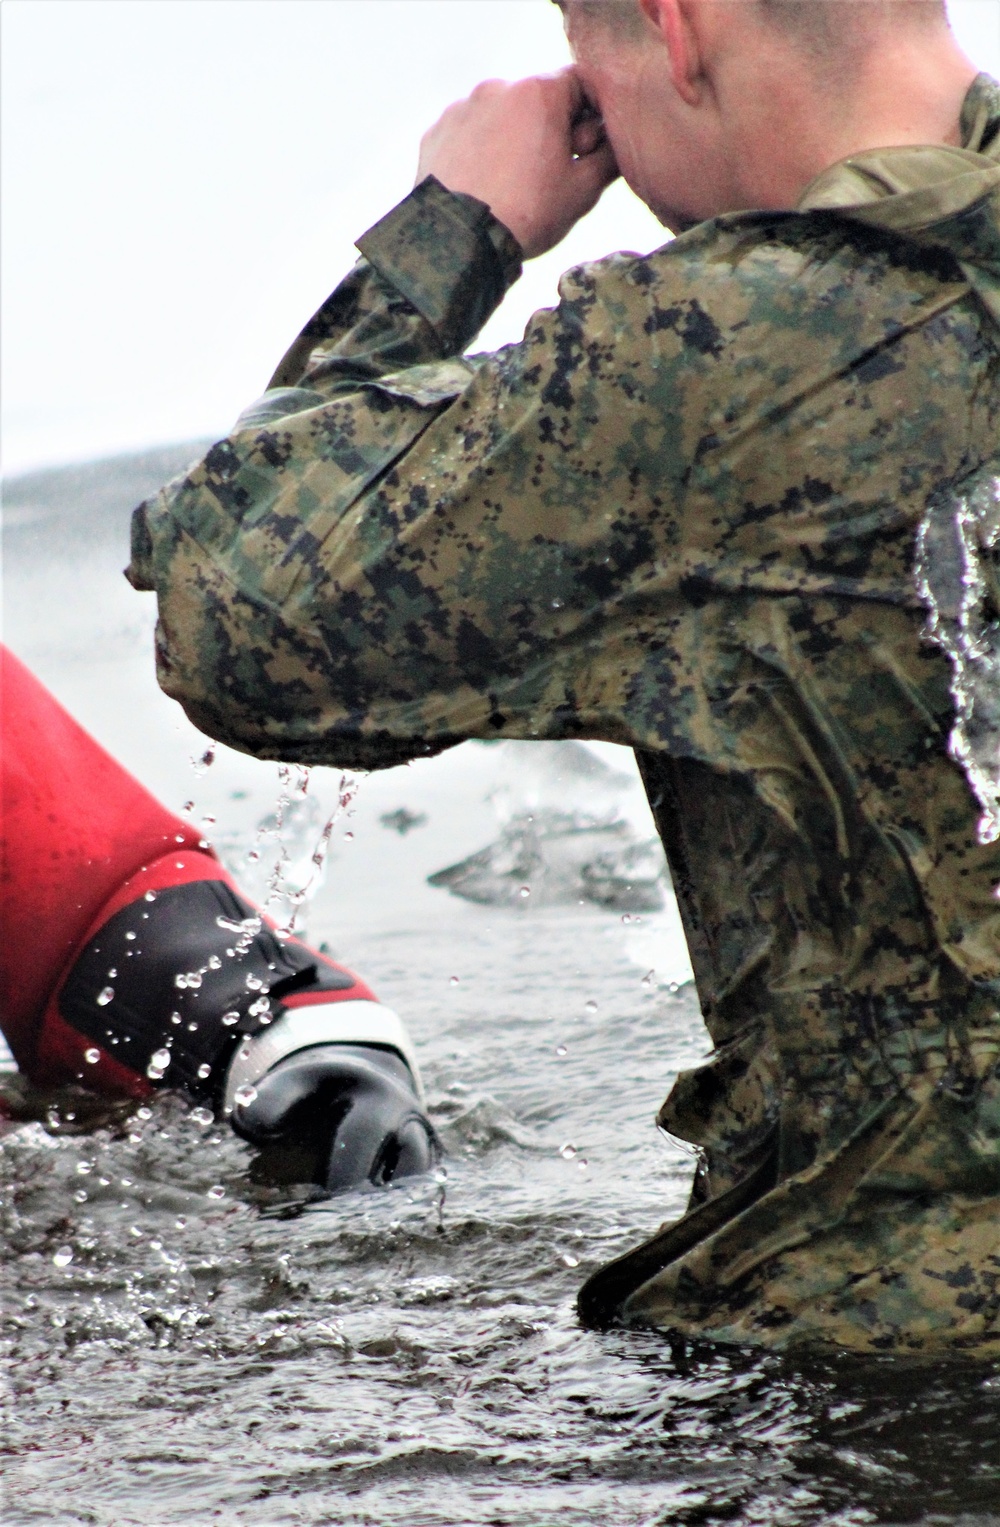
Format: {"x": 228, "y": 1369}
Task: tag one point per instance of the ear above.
{"x": 677, "y": 23}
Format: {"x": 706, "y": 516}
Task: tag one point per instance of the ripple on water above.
{"x": 411, "y": 1356}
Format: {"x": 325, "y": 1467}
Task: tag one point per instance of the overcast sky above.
{"x": 183, "y": 181}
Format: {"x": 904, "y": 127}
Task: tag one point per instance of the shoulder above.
{"x": 737, "y": 277}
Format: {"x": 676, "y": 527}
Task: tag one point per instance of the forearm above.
{"x": 226, "y": 544}
{"x": 305, "y": 570}
{"x": 433, "y": 271}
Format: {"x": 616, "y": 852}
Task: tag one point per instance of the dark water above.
{"x": 412, "y": 1355}
{"x": 183, "y": 1346}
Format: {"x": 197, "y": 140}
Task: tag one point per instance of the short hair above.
{"x": 818, "y": 24}
{"x": 623, "y": 16}
{"x": 832, "y": 24}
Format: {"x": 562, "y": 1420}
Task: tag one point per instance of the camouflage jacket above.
{"x": 684, "y": 513}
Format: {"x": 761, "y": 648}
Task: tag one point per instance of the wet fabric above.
{"x": 681, "y": 514}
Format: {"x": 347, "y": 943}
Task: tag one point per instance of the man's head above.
{"x": 717, "y": 105}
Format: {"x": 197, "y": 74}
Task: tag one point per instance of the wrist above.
{"x": 447, "y": 254}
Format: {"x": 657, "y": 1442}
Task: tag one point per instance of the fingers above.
{"x": 591, "y": 174}
{"x": 587, "y": 134}
{"x": 534, "y": 151}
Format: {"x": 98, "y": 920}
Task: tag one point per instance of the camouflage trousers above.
{"x": 849, "y": 1129}
{"x": 849, "y": 1253}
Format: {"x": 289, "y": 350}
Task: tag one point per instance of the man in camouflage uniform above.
{"x": 736, "y": 505}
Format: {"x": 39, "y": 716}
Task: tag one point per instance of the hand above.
{"x": 534, "y": 151}
{"x": 337, "y": 1115}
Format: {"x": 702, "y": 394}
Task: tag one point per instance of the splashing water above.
{"x": 158, "y": 1064}
{"x": 202, "y": 762}
{"x": 285, "y": 865}
{"x": 958, "y": 578}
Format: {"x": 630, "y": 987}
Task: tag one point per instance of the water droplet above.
{"x": 175, "y": 1018}
{"x": 230, "y": 1018}
{"x": 561, "y": 1050}
{"x": 348, "y": 837}
{"x": 557, "y": 604}
{"x": 180, "y": 1223}
{"x": 135, "y": 1232}
{"x": 149, "y": 896}
{"x": 673, "y": 988}
{"x": 130, "y": 936}
{"x": 583, "y": 1163}
{"x": 214, "y": 963}
{"x": 245, "y": 1095}
{"x": 91, "y": 1057}
{"x": 590, "y": 1007}
{"x": 179, "y": 837}
{"x": 158, "y": 1063}
{"x": 204, "y": 1071}
{"x": 112, "y": 972}
{"x": 567, "y": 1151}
{"x": 144, "y": 1113}
{"x": 202, "y": 1116}
{"x": 105, "y": 996}
{"x": 84, "y": 1168}
{"x": 626, "y": 917}
{"x": 80, "y": 1196}
{"x": 254, "y": 983}
{"x": 63, "y": 1256}
{"x": 218, "y": 1191}
{"x": 209, "y": 818}
{"x": 524, "y": 892}
{"x": 570, "y": 1260}
{"x": 453, "y": 981}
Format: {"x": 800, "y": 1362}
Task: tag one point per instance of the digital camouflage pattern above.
{"x": 681, "y": 514}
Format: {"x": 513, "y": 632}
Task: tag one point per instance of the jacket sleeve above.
{"x": 398, "y": 548}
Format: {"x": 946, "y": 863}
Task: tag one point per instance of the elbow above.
{"x": 263, "y": 696}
